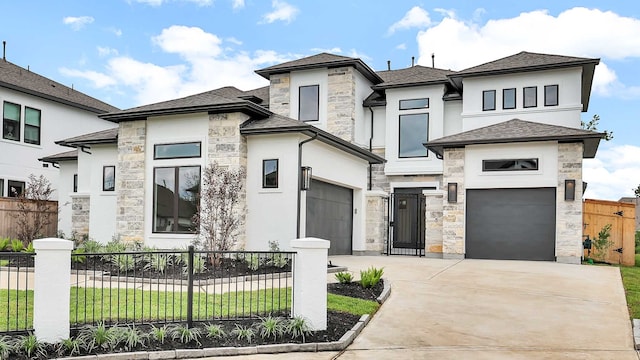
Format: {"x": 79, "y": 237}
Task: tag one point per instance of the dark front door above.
{"x": 408, "y": 219}
{"x": 329, "y": 215}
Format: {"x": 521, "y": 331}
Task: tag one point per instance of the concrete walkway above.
{"x": 484, "y": 309}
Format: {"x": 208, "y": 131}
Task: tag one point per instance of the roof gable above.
{"x": 412, "y": 76}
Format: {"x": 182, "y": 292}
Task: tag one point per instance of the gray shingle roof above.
{"x": 65, "y": 156}
{"x": 109, "y": 136}
{"x": 516, "y": 130}
{"x": 412, "y": 76}
{"x": 17, "y": 78}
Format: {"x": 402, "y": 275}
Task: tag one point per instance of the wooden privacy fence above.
{"x": 9, "y": 207}
{"x": 622, "y": 217}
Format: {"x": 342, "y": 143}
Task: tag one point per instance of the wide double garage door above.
{"x": 511, "y": 224}
{"x": 329, "y": 215}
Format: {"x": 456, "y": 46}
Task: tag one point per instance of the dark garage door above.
{"x": 511, "y": 224}
{"x": 329, "y": 215}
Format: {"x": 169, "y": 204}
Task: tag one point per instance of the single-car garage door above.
{"x": 511, "y": 224}
{"x": 329, "y": 209}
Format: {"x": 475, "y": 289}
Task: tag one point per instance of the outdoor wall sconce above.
{"x": 452, "y": 192}
{"x": 569, "y": 190}
{"x": 305, "y": 182}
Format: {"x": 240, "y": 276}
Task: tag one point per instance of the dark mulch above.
{"x": 353, "y": 289}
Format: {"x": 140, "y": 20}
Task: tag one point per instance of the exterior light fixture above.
{"x": 305, "y": 182}
{"x": 569, "y": 190}
{"x": 452, "y": 192}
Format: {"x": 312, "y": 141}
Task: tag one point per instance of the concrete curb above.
{"x": 386, "y": 291}
{"x": 636, "y": 333}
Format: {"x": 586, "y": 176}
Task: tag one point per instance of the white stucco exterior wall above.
{"x": 362, "y": 114}
{"x": 102, "y": 216}
{"x": 452, "y": 117}
{"x": 305, "y": 78}
{"x": 65, "y": 189}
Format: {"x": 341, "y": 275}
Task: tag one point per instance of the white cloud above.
{"x": 156, "y": 3}
{"x": 402, "y": 46}
{"x": 77, "y": 22}
{"x": 356, "y": 54}
{"x": 334, "y": 50}
{"x": 282, "y": 11}
{"x": 613, "y": 173}
{"x": 233, "y": 41}
{"x": 188, "y": 42}
{"x": 237, "y": 4}
{"x": 100, "y": 80}
{"x": 117, "y": 32}
{"x": 106, "y": 51}
{"x": 417, "y": 17}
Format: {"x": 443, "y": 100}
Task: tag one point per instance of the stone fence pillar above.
{"x": 310, "y": 281}
{"x": 52, "y": 289}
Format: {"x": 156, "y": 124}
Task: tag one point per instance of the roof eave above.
{"x": 245, "y": 107}
{"x": 357, "y": 63}
{"x": 403, "y": 85}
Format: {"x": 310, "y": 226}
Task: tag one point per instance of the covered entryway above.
{"x": 511, "y": 224}
{"x": 330, "y": 215}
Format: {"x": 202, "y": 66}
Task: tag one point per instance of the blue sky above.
{"x": 133, "y": 52}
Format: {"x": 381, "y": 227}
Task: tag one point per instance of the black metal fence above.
{"x": 406, "y": 225}
{"x": 16, "y": 292}
{"x": 179, "y": 286}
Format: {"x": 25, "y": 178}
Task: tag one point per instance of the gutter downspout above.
{"x": 315, "y": 136}
{"x": 370, "y": 150}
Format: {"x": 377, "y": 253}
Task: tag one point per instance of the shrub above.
{"x": 186, "y": 335}
{"x": 278, "y": 259}
{"x": 29, "y": 249}
{"x": 602, "y": 244}
{"x": 157, "y": 262}
{"x": 131, "y": 337}
{"x": 344, "y": 277}
{"x": 30, "y": 346}
{"x": 124, "y": 262}
{"x": 69, "y": 347}
{"x": 253, "y": 261}
{"x": 99, "y": 336}
{"x": 298, "y": 327}
{"x": 4, "y": 244}
{"x": 243, "y": 333}
{"x": 92, "y": 247}
{"x": 199, "y": 264}
{"x": 271, "y": 327}
{"x": 215, "y": 331}
{"x": 159, "y": 334}
{"x": 370, "y": 277}
{"x": 16, "y": 245}
{"x": 6, "y": 347}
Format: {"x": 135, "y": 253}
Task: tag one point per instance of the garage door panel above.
{"x": 329, "y": 215}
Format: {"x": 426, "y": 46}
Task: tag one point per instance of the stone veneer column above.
{"x": 377, "y": 217}
{"x": 130, "y": 181}
{"x": 228, "y": 148}
{"x": 341, "y": 102}
{"x": 279, "y": 94}
{"x": 453, "y": 213}
{"x": 433, "y": 224}
{"x": 569, "y": 213}
{"x": 80, "y": 208}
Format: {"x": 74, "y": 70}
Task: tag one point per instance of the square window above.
{"x": 270, "y": 173}
{"x": 413, "y": 134}
{"x": 15, "y": 188}
{"x": 108, "y": 178}
{"x": 509, "y": 98}
{"x": 414, "y": 104}
{"x": 309, "y": 103}
{"x": 175, "y": 199}
{"x": 530, "y": 96}
{"x": 488, "y": 100}
{"x": 11, "y": 121}
{"x": 31, "y": 126}
{"x": 551, "y": 95}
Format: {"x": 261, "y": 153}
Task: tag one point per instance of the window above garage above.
{"x": 510, "y": 165}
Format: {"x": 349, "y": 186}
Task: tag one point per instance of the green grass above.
{"x": 631, "y": 283}
{"x": 351, "y": 305}
{"x": 14, "y": 303}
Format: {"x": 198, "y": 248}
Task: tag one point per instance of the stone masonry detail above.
{"x": 80, "y": 207}
{"x": 130, "y": 181}
{"x": 453, "y": 213}
{"x": 377, "y": 217}
{"x": 433, "y": 226}
{"x": 341, "y": 102}
{"x": 569, "y": 213}
{"x": 279, "y": 94}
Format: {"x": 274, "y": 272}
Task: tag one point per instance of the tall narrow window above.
{"x": 551, "y": 95}
{"x": 175, "y": 198}
{"x": 270, "y": 173}
{"x": 1, "y": 187}
{"x": 75, "y": 182}
{"x": 488, "y": 100}
{"x": 15, "y": 188}
{"x": 413, "y": 134}
{"x": 31, "y": 125}
{"x": 11, "y": 121}
{"x": 530, "y": 96}
{"x": 309, "y": 106}
{"x": 509, "y": 98}
{"x": 108, "y": 178}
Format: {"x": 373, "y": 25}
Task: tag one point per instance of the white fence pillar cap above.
{"x": 52, "y": 244}
{"x": 310, "y": 243}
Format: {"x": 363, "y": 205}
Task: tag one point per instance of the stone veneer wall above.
{"x": 228, "y": 148}
{"x": 80, "y": 207}
{"x": 341, "y": 102}
{"x": 130, "y": 181}
{"x": 279, "y": 94}
{"x": 433, "y": 226}
{"x": 453, "y": 213}
{"x": 377, "y": 217}
{"x": 569, "y": 213}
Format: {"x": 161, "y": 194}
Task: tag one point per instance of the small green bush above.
{"x": 6, "y": 347}
{"x": 370, "y": 277}
{"x": 159, "y": 334}
{"x": 30, "y": 346}
{"x": 215, "y": 331}
{"x": 243, "y": 332}
{"x": 253, "y": 261}
{"x": 186, "y": 335}
{"x": 271, "y": 327}
{"x": 69, "y": 347}
{"x": 344, "y": 277}
{"x": 4, "y": 244}
{"x": 298, "y": 327}
{"x": 16, "y": 245}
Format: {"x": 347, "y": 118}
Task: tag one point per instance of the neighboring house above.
{"x": 633, "y": 200}
{"x": 480, "y": 163}
{"x": 36, "y": 111}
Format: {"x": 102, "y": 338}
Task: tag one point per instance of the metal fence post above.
{"x": 52, "y": 289}
{"x": 190, "y": 287}
{"x": 310, "y": 281}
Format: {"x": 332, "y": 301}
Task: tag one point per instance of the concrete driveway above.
{"x": 485, "y": 309}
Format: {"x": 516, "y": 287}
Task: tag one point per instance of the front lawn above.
{"x": 631, "y": 283}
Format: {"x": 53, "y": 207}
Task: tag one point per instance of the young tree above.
{"x": 593, "y": 126}
{"x": 34, "y": 212}
{"x": 636, "y": 191}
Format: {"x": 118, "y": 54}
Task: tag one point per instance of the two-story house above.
{"x": 483, "y": 163}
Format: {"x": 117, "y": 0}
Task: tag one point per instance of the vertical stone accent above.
{"x": 80, "y": 208}
{"x": 379, "y": 179}
{"x": 279, "y": 94}
{"x": 569, "y": 213}
{"x": 341, "y": 102}
{"x": 228, "y": 148}
{"x": 130, "y": 180}
{"x": 453, "y": 213}
{"x": 377, "y": 217}
{"x": 433, "y": 226}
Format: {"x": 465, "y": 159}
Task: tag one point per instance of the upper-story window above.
{"x": 270, "y": 173}
{"x": 530, "y": 96}
{"x": 108, "y": 178}
{"x": 309, "y": 103}
{"x": 1, "y": 187}
{"x": 414, "y": 132}
{"x": 510, "y": 165}
{"x": 551, "y": 95}
{"x": 414, "y": 104}
{"x": 11, "y": 121}
{"x": 177, "y": 151}
{"x": 488, "y": 100}
{"x": 31, "y": 125}
{"x": 509, "y": 98}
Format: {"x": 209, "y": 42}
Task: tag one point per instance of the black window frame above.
{"x": 426, "y": 154}
{"x": 524, "y": 96}
{"x": 484, "y": 103}
{"x": 400, "y": 102}
{"x": 175, "y": 200}
{"x": 513, "y": 168}
{"x": 27, "y": 125}
{"x": 75, "y": 183}
{"x": 104, "y": 178}
{"x": 265, "y": 185}
{"x": 17, "y": 129}
{"x": 546, "y": 99}
{"x": 317, "y": 109}
{"x": 12, "y": 183}
{"x": 504, "y": 96}
{"x": 1, "y": 187}
{"x": 156, "y": 146}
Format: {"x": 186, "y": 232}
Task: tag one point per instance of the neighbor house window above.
{"x": 510, "y": 165}
{"x": 270, "y": 173}
{"x": 530, "y": 96}
{"x": 414, "y": 104}
{"x": 11, "y": 121}
{"x": 108, "y": 178}
{"x": 175, "y": 198}
{"x": 509, "y": 98}
{"x": 1, "y": 187}
{"x": 551, "y": 95}
{"x": 488, "y": 100}
{"x": 31, "y": 125}
{"x": 177, "y": 151}
{"x": 309, "y": 106}
{"x": 15, "y": 188}
{"x": 413, "y": 134}
{"x": 75, "y": 182}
